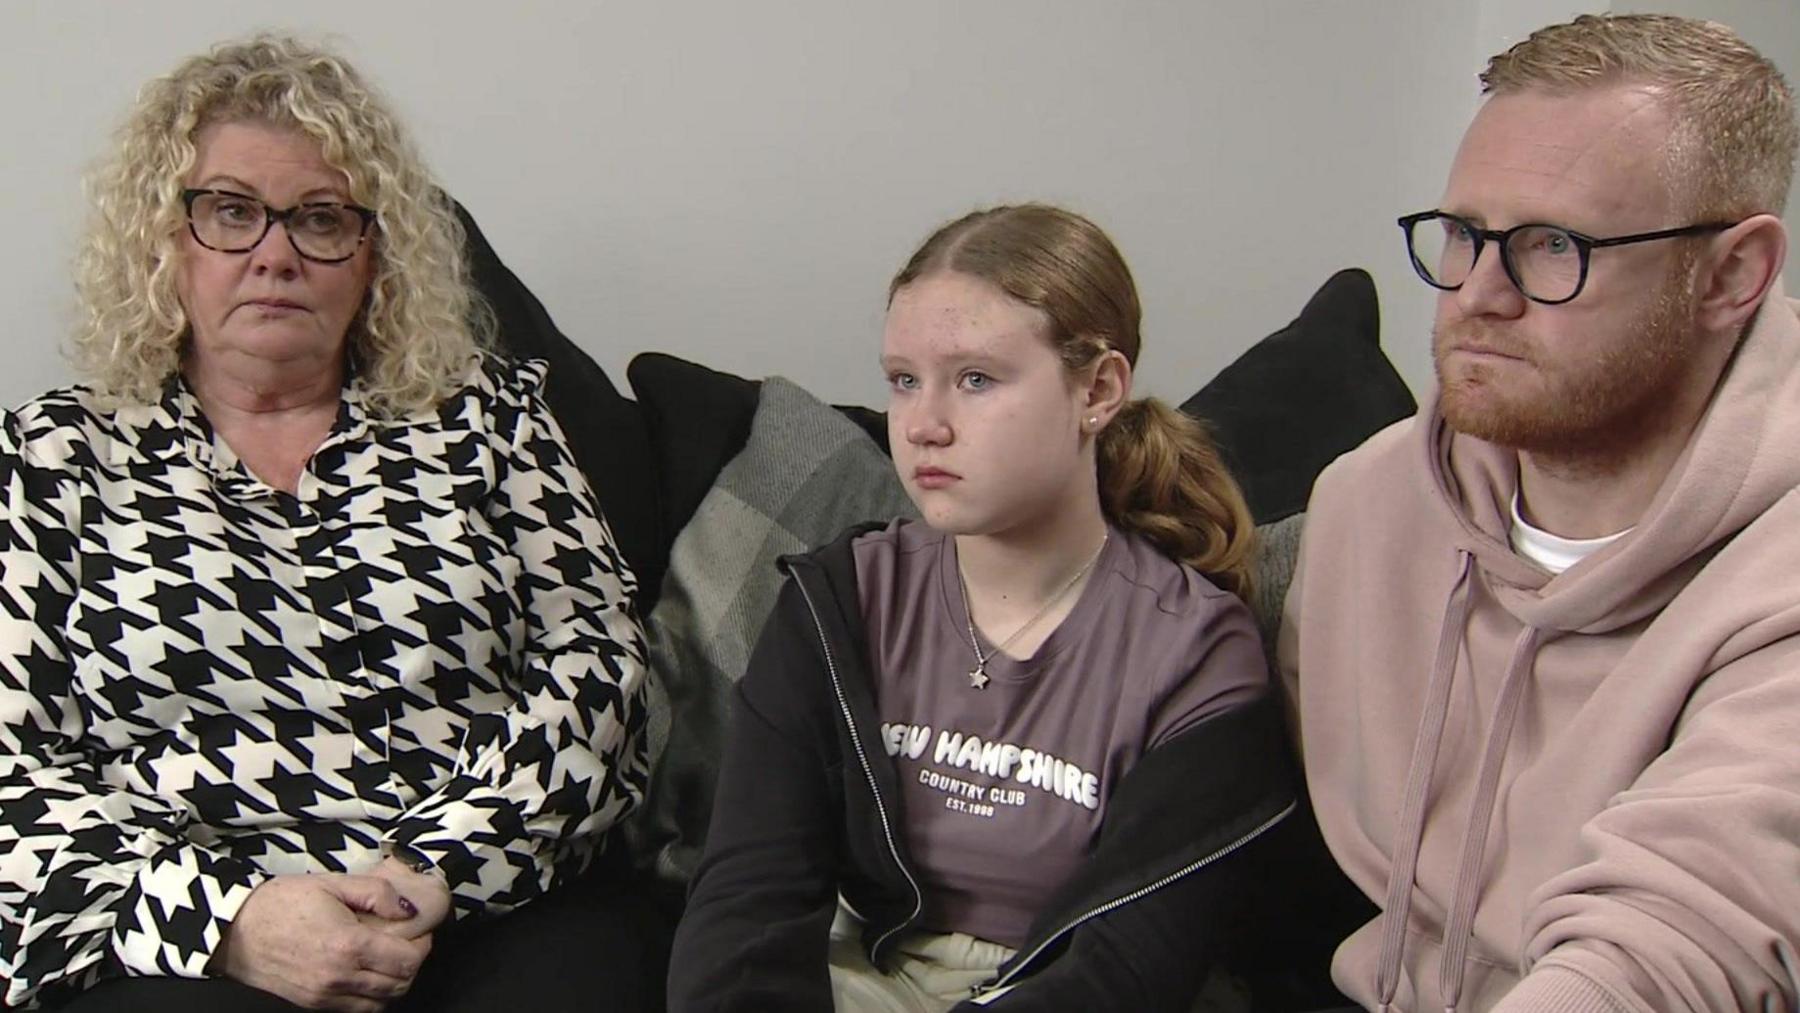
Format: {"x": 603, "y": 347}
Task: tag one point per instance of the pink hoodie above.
{"x": 1590, "y": 782}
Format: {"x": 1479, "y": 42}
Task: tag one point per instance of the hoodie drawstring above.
{"x": 1410, "y": 832}
{"x": 1459, "y": 928}
{"x": 1397, "y": 911}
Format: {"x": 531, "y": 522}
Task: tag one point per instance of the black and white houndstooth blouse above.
{"x": 205, "y": 682}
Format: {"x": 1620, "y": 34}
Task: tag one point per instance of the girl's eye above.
{"x": 902, "y": 381}
{"x": 976, "y": 380}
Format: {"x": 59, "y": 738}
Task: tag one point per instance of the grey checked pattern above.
{"x": 205, "y": 682}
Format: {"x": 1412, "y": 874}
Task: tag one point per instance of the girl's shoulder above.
{"x": 1147, "y": 580}
{"x": 895, "y": 550}
{"x": 1193, "y": 645}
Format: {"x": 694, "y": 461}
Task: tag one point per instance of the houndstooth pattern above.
{"x": 205, "y": 682}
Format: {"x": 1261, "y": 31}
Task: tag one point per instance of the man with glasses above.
{"x": 1545, "y": 637}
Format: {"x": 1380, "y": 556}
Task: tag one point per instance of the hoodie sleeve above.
{"x": 1689, "y": 898}
{"x": 759, "y": 912}
{"x": 1182, "y": 850}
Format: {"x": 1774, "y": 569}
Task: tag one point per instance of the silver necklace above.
{"x": 978, "y": 677}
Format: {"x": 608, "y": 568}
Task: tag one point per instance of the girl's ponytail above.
{"x": 1162, "y": 477}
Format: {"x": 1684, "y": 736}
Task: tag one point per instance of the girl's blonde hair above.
{"x": 1159, "y": 473}
{"x": 422, "y": 323}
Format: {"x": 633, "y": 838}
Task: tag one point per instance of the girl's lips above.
{"x": 933, "y": 478}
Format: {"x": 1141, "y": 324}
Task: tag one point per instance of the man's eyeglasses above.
{"x": 235, "y": 223}
{"x": 1549, "y": 264}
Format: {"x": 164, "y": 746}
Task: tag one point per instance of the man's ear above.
{"x": 1108, "y": 390}
{"x": 1745, "y": 261}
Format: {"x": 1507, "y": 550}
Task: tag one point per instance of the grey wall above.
{"x": 736, "y": 182}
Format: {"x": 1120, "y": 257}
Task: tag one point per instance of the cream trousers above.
{"x": 932, "y": 971}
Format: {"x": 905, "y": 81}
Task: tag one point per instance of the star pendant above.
{"x": 977, "y": 678}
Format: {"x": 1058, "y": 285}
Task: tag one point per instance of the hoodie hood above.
{"x": 1741, "y": 459}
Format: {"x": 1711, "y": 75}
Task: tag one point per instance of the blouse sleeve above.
{"x": 94, "y": 880}
{"x": 535, "y": 783}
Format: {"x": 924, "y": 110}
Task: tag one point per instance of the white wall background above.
{"x": 735, "y": 183}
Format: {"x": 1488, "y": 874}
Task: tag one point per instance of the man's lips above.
{"x": 1486, "y": 351}
{"x": 1478, "y": 339}
{"x": 1475, "y": 343}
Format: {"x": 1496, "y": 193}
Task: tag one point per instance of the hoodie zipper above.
{"x": 887, "y": 829}
{"x": 1001, "y": 982}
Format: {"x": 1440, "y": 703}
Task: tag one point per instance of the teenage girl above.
{"x": 1009, "y": 755}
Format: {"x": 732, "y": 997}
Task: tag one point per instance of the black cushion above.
{"x": 1303, "y": 395}
{"x": 606, "y": 431}
{"x": 698, "y": 419}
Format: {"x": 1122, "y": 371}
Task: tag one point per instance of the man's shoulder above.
{"x": 1387, "y": 460}
{"x": 1762, "y": 554}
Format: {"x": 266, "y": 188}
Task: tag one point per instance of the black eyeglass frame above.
{"x": 1585, "y": 246}
{"x": 272, "y": 215}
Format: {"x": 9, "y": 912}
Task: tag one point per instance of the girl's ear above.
{"x": 1108, "y": 388}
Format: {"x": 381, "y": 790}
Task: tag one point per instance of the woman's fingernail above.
{"x": 407, "y": 906}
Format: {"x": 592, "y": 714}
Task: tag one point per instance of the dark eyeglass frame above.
{"x": 1585, "y": 246}
{"x": 272, "y": 215}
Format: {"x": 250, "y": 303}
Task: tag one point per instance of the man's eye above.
{"x": 1543, "y": 242}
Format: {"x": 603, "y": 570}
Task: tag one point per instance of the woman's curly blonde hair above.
{"x": 422, "y": 324}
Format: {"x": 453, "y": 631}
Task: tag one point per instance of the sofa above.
{"x": 706, "y": 477}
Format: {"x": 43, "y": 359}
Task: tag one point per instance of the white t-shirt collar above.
{"x": 1553, "y": 552}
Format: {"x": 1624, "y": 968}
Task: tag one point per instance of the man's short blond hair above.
{"x": 1733, "y": 138}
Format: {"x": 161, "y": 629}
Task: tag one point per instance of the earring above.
{"x": 1093, "y": 421}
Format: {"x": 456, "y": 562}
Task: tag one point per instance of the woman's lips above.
{"x": 275, "y": 305}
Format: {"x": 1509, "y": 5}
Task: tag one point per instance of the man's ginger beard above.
{"x": 1588, "y": 410}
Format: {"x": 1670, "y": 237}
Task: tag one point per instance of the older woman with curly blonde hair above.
{"x": 314, "y": 647}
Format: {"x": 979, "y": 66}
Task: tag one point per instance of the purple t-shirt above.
{"x": 1004, "y": 788}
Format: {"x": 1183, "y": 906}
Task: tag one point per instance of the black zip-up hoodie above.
{"x": 808, "y": 805}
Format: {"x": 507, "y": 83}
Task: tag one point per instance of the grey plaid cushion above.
{"x": 805, "y": 475}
